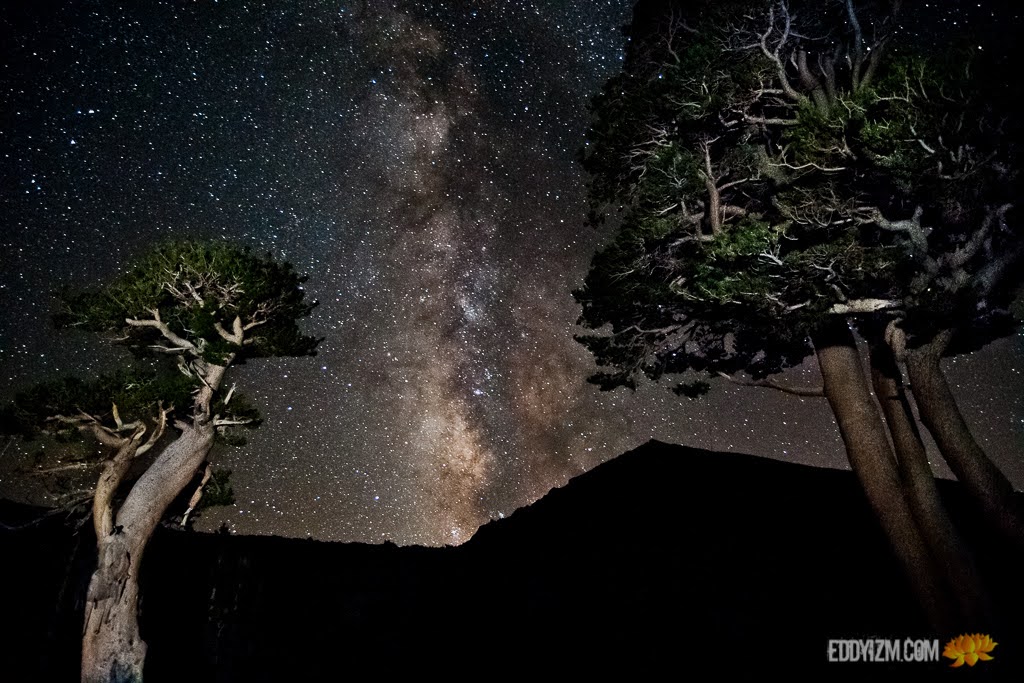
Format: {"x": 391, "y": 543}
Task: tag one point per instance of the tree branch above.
{"x": 911, "y": 226}
{"x": 732, "y": 183}
{"x": 714, "y": 210}
{"x": 772, "y": 384}
{"x": 167, "y": 349}
{"x": 237, "y": 335}
{"x": 863, "y": 306}
{"x": 88, "y": 423}
{"x": 961, "y": 256}
{"x": 810, "y": 81}
{"x": 114, "y": 471}
{"x": 161, "y": 425}
{"x": 873, "y": 60}
{"x": 198, "y": 495}
{"x": 164, "y": 330}
{"x": 65, "y": 468}
{"x": 773, "y": 54}
{"x": 858, "y": 45}
{"x": 226, "y": 422}
{"x": 770, "y": 121}
{"x": 810, "y": 164}
{"x": 224, "y": 334}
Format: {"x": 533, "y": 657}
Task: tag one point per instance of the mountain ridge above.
{"x": 641, "y": 559}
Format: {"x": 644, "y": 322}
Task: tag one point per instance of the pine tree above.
{"x": 781, "y": 173}
{"x": 189, "y": 311}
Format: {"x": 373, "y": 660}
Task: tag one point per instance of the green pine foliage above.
{"x": 183, "y": 308}
{"x": 818, "y": 167}
{"x": 137, "y": 393}
{"x": 195, "y": 286}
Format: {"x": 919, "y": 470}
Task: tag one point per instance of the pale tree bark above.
{"x": 872, "y": 460}
{"x": 112, "y": 648}
{"x": 717, "y": 209}
{"x": 108, "y": 483}
{"x": 713, "y": 211}
{"x": 989, "y": 487}
{"x": 953, "y": 557}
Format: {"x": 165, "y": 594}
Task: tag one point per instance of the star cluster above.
{"x": 417, "y": 161}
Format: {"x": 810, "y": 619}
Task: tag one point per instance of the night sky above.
{"x": 417, "y": 160}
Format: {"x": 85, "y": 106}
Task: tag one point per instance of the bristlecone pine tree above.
{"x": 787, "y": 172}
{"x": 196, "y": 309}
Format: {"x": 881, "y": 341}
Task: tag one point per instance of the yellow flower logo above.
{"x": 969, "y": 649}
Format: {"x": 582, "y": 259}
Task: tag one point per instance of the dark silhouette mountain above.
{"x": 665, "y": 559}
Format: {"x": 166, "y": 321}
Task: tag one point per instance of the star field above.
{"x": 417, "y": 161}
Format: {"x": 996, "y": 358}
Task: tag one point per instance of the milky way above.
{"x": 460, "y": 374}
{"x": 418, "y": 161}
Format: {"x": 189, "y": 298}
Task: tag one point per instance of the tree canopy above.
{"x": 192, "y": 305}
{"x": 208, "y": 299}
{"x": 781, "y": 173}
{"x": 189, "y": 310}
{"x": 777, "y": 165}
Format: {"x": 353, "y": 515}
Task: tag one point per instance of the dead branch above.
{"x": 864, "y": 306}
{"x": 65, "y": 468}
{"x": 227, "y": 422}
{"x": 156, "y": 323}
{"x": 198, "y": 495}
{"x": 161, "y": 425}
{"x": 772, "y": 384}
{"x": 774, "y": 53}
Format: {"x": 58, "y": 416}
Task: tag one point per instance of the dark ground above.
{"x": 666, "y": 559}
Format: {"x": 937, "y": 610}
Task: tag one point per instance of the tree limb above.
{"x": 714, "y": 210}
{"x": 198, "y": 495}
{"x": 911, "y": 226}
{"x": 161, "y": 425}
{"x": 88, "y": 423}
{"x": 66, "y": 468}
{"x": 961, "y": 256}
{"x": 773, "y": 53}
{"x": 810, "y": 164}
{"x": 810, "y": 81}
{"x": 237, "y": 335}
{"x": 863, "y": 306}
{"x": 167, "y": 349}
{"x": 164, "y": 330}
{"x": 224, "y": 334}
{"x": 226, "y": 422}
{"x": 770, "y": 121}
{"x": 772, "y": 384}
{"x": 858, "y": 45}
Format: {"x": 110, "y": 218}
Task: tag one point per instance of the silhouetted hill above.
{"x": 658, "y": 560}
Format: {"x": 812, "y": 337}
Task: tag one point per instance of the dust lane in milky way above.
{"x": 433, "y": 360}
{"x": 457, "y": 369}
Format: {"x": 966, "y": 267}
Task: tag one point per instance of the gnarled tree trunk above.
{"x": 872, "y": 460}
{"x": 112, "y": 648}
{"x": 952, "y": 555}
{"x": 940, "y": 414}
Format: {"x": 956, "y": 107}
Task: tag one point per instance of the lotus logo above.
{"x": 968, "y": 649}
